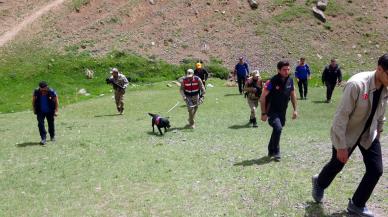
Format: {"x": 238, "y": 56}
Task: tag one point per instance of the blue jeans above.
{"x": 50, "y": 121}
{"x": 276, "y": 121}
{"x": 374, "y": 169}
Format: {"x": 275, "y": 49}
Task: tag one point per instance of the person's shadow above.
{"x": 25, "y": 144}
{"x": 232, "y": 94}
{"x": 108, "y": 115}
{"x": 320, "y": 102}
{"x": 314, "y": 209}
{"x": 260, "y": 161}
{"x": 236, "y": 126}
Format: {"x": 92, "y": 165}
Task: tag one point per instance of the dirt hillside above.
{"x": 174, "y": 30}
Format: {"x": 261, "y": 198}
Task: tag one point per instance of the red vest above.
{"x": 191, "y": 87}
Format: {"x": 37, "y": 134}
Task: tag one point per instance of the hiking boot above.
{"x": 317, "y": 191}
{"x": 254, "y": 122}
{"x": 43, "y": 142}
{"x": 52, "y": 139}
{"x": 360, "y": 211}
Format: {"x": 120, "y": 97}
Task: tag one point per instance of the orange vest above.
{"x": 191, "y": 87}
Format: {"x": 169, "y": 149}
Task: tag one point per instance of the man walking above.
{"x": 201, "y": 73}
{"x": 358, "y": 122}
{"x": 241, "y": 70}
{"x": 302, "y": 74}
{"x": 331, "y": 76}
{"x": 45, "y": 106}
{"x": 277, "y": 92}
{"x": 253, "y": 91}
{"x": 193, "y": 93}
{"x": 119, "y": 83}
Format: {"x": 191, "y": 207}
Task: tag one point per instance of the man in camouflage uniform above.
{"x": 193, "y": 93}
{"x": 252, "y": 90}
{"x": 119, "y": 83}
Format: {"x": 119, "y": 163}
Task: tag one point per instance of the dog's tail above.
{"x": 152, "y": 115}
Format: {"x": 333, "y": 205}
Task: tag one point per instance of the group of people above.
{"x": 358, "y": 121}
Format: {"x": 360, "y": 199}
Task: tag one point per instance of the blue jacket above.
{"x": 302, "y": 72}
{"x": 242, "y": 70}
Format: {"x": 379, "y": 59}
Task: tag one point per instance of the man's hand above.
{"x": 342, "y": 155}
{"x": 56, "y": 113}
{"x": 264, "y": 117}
{"x": 294, "y": 115}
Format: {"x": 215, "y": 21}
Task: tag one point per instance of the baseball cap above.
{"x": 190, "y": 73}
{"x": 42, "y": 84}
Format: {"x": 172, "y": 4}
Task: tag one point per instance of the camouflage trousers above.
{"x": 192, "y": 103}
{"x": 253, "y": 104}
{"x": 119, "y": 98}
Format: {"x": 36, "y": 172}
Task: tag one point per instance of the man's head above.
{"x": 283, "y": 68}
{"x": 302, "y": 60}
{"x": 241, "y": 60}
{"x": 382, "y": 69}
{"x": 190, "y": 73}
{"x": 256, "y": 75}
{"x": 43, "y": 86}
{"x": 333, "y": 62}
{"x": 114, "y": 72}
{"x": 198, "y": 65}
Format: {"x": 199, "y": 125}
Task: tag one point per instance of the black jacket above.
{"x": 52, "y": 96}
{"x": 331, "y": 74}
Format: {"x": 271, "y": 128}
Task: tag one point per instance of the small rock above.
{"x": 359, "y": 55}
{"x": 153, "y": 43}
{"x": 152, "y": 2}
{"x": 209, "y": 85}
{"x": 354, "y": 46}
{"x": 102, "y": 94}
{"x": 82, "y": 91}
{"x": 169, "y": 85}
{"x": 322, "y": 4}
{"x": 253, "y": 3}
{"x": 223, "y": 12}
{"x": 377, "y": 46}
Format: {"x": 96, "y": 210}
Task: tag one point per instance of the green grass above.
{"x": 77, "y": 4}
{"x": 103, "y": 165}
{"x": 292, "y": 13}
{"x": 20, "y": 73}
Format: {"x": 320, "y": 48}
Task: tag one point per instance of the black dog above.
{"x": 159, "y": 122}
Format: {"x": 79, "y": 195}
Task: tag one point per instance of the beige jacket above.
{"x": 354, "y": 110}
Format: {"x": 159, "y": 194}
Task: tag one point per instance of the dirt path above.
{"x": 10, "y": 34}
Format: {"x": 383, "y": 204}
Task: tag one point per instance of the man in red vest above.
{"x": 193, "y": 93}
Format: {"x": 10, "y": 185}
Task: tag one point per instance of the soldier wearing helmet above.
{"x": 253, "y": 88}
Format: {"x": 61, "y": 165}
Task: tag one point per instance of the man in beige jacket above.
{"x": 358, "y": 122}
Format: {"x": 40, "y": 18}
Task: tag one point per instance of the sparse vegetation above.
{"x": 77, "y": 4}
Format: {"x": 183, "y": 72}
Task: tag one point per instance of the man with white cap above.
{"x": 193, "y": 93}
{"x": 119, "y": 83}
{"x": 253, "y": 91}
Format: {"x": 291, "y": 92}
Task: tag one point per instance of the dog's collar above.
{"x": 157, "y": 120}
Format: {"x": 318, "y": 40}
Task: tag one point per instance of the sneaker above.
{"x": 277, "y": 157}
{"x": 43, "y": 142}
{"x": 192, "y": 126}
{"x": 360, "y": 211}
{"x": 52, "y": 139}
{"x": 317, "y": 191}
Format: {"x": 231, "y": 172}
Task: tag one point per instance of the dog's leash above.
{"x": 177, "y": 103}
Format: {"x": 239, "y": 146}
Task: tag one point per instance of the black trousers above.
{"x": 276, "y": 121}
{"x": 374, "y": 169}
{"x": 50, "y": 121}
{"x": 241, "y": 83}
{"x": 302, "y": 84}
{"x": 329, "y": 90}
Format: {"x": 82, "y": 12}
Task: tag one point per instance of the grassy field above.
{"x": 108, "y": 165}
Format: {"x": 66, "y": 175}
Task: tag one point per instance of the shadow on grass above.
{"x": 232, "y": 94}
{"x": 25, "y": 144}
{"x": 320, "y": 102}
{"x": 236, "y": 127}
{"x": 260, "y": 161}
{"x": 109, "y": 115}
{"x": 156, "y": 133}
{"x": 314, "y": 209}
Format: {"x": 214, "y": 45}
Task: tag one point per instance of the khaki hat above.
{"x": 114, "y": 70}
{"x": 256, "y": 73}
{"x": 198, "y": 65}
{"x": 190, "y": 73}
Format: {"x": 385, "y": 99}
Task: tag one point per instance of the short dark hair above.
{"x": 42, "y": 84}
{"x": 333, "y": 60}
{"x": 302, "y": 58}
{"x": 283, "y": 63}
{"x": 383, "y": 61}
